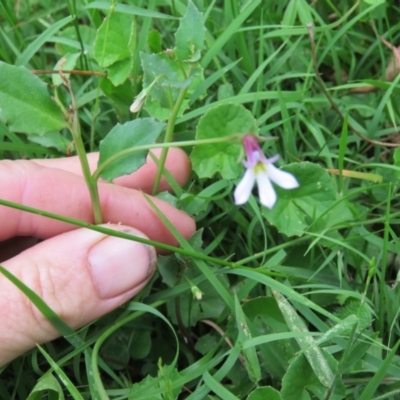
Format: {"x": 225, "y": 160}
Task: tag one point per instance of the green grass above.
{"x": 279, "y": 313}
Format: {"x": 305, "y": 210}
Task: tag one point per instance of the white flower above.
{"x": 261, "y": 170}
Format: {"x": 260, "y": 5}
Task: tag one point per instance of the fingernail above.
{"x": 119, "y": 265}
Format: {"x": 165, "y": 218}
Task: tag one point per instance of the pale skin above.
{"x": 59, "y": 267}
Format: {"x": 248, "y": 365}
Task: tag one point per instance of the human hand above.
{"x": 81, "y": 274}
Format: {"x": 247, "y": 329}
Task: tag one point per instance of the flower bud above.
{"x": 137, "y": 104}
{"x": 197, "y": 293}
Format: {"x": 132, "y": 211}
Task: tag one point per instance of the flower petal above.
{"x": 244, "y": 188}
{"x": 265, "y": 190}
{"x": 283, "y": 179}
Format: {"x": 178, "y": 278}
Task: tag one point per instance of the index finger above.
{"x": 177, "y": 164}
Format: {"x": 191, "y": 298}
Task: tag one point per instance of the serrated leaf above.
{"x": 120, "y": 97}
{"x": 297, "y": 208}
{"x": 339, "y": 329}
{"x": 189, "y": 38}
{"x": 25, "y": 104}
{"x": 115, "y": 45}
{"x": 135, "y": 133}
{"x": 166, "y": 80}
{"x": 146, "y": 385}
{"x": 168, "y": 267}
{"x": 114, "y": 39}
{"x": 119, "y": 72}
{"x": 221, "y": 121}
{"x": 356, "y": 309}
{"x": 164, "y": 386}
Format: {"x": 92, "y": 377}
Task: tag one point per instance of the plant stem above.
{"x": 128, "y": 236}
{"x": 75, "y": 128}
{"x": 90, "y": 182}
{"x": 68, "y": 71}
{"x": 96, "y": 174}
{"x": 168, "y": 137}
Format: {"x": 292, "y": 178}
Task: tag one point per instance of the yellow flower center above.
{"x": 260, "y": 167}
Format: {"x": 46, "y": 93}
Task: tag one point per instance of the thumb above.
{"x": 81, "y": 275}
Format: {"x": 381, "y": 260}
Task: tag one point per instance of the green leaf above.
{"x": 250, "y": 354}
{"x": 229, "y": 31}
{"x": 115, "y": 349}
{"x": 47, "y": 384}
{"x": 154, "y": 41}
{"x": 62, "y": 376}
{"x": 221, "y": 121}
{"x": 128, "y": 9}
{"x": 219, "y": 389}
{"x": 139, "y": 132}
{"x": 52, "y": 139}
{"x": 225, "y": 91}
{"x": 312, "y": 352}
{"x": 339, "y": 329}
{"x": 263, "y": 393}
{"x": 147, "y": 385}
{"x": 120, "y": 96}
{"x": 114, "y": 46}
{"x": 396, "y": 157}
{"x": 119, "y": 72}
{"x": 189, "y": 38}
{"x": 356, "y": 308}
{"x": 300, "y": 378}
{"x": 141, "y": 344}
{"x": 378, "y": 378}
{"x": 266, "y": 318}
{"x": 166, "y": 80}
{"x": 25, "y": 104}
{"x": 113, "y": 39}
{"x": 170, "y": 376}
{"x": 374, "y": 2}
{"x": 168, "y": 268}
{"x": 71, "y": 44}
{"x": 297, "y": 208}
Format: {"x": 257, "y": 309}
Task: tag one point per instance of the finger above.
{"x": 177, "y": 164}
{"x": 64, "y": 193}
{"x": 81, "y": 275}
